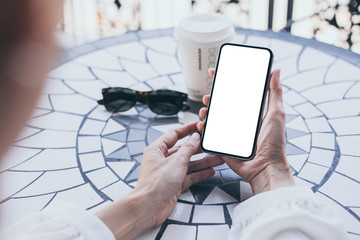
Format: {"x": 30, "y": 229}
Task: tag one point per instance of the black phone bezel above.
{"x": 267, "y": 80}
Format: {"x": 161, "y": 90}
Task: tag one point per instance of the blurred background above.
{"x": 336, "y": 22}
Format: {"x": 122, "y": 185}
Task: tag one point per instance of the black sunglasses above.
{"x": 164, "y": 102}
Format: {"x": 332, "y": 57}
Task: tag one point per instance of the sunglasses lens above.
{"x": 119, "y": 99}
{"x": 165, "y": 102}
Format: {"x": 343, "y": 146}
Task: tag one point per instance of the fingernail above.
{"x": 195, "y": 137}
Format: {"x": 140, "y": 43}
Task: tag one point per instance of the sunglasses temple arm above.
{"x": 101, "y": 102}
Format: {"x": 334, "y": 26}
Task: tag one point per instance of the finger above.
{"x": 205, "y": 163}
{"x": 275, "y": 92}
{"x": 189, "y": 148}
{"x": 202, "y": 112}
{"x": 175, "y": 148}
{"x": 169, "y": 139}
{"x": 211, "y": 72}
{"x": 197, "y": 177}
{"x": 206, "y": 99}
{"x": 200, "y": 126}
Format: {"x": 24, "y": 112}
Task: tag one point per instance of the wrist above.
{"x": 128, "y": 216}
{"x": 273, "y": 176}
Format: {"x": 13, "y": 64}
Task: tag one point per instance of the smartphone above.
{"x": 237, "y": 100}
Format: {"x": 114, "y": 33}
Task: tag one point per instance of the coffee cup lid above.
{"x": 205, "y": 30}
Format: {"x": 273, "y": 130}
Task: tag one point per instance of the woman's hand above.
{"x": 165, "y": 173}
{"x": 269, "y": 169}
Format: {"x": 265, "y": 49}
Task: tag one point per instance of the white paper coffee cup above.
{"x": 200, "y": 37}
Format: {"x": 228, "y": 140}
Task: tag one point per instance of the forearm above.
{"x": 129, "y": 216}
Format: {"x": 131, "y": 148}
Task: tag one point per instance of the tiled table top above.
{"x": 73, "y": 150}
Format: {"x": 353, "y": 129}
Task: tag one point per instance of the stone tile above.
{"x": 117, "y": 190}
{"x": 153, "y": 134}
{"x": 109, "y": 146}
{"x": 297, "y": 124}
{"x": 136, "y": 135}
{"x": 165, "y": 45}
{"x": 181, "y": 212}
{"x": 114, "y": 78}
{"x": 172, "y": 232}
{"x": 218, "y": 196}
{"x": 122, "y": 154}
{"x": 284, "y": 49}
{"x": 49, "y": 159}
{"x": 342, "y": 189}
{"x": 99, "y": 59}
{"x": 346, "y": 126}
{"x": 13, "y": 182}
{"x": 349, "y": 145}
{"x": 321, "y": 156}
{"x": 132, "y": 51}
{"x": 291, "y": 133}
{"x": 100, "y": 113}
{"x": 228, "y": 175}
{"x": 327, "y": 92}
{"x": 72, "y": 103}
{"x": 187, "y": 117}
{"x": 141, "y": 87}
{"x": 323, "y": 140}
{"x": 118, "y": 136}
{"x": 289, "y": 110}
{"x": 102, "y": 177}
{"x": 140, "y": 123}
{"x": 53, "y": 181}
{"x": 71, "y": 71}
{"x": 354, "y": 92}
{"x": 293, "y": 150}
{"x": 292, "y": 98}
{"x": 163, "y": 64}
{"x": 121, "y": 168}
{"x": 212, "y": 232}
{"x": 134, "y": 174}
{"x": 166, "y": 127}
{"x": 187, "y": 196}
{"x": 89, "y": 144}
{"x": 297, "y": 161}
{"x": 308, "y": 110}
{"x": 49, "y": 139}
{"x": 305, "y": 80}
{"x": 54, "y": 86}
{"x": 341, "y": 108}
{"x": 349, "y": 166}
{"x": 147, "y": 72}
{"x": 302, "y": 142}
{"x": 15, "y": 156}
{"x": 208, "y": 214}
{"x": 91, "y": 161}
{"x": 313, "y": 172}
{"x": 92, "y": 127}
{"x": 288, "y": 67}
{"x": 27, "y": 132}
{"x": 342, "y": 71}
{"x": 245, "y": 191}
{"x": 318, "y": 125}
{"x": 91, "y": 89}
{"x": 136, "y": 147}
{"x": 83, "y": 196}
{"x": 44, "y": 102}
{"x": 231, "y": 208}
{"x": 39, "y": 112}
{"x": 301, "y": 182}
{"x": 57, "y": 121}
{"x": 350, "y": 222}
{"x": 112, "y": 127}
{"x": 159, "y": 83}
{"x": 312, "y": 58}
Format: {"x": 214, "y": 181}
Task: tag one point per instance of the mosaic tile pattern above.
{"x": 74, "y": 150}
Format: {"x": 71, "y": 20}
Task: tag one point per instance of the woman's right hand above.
{"x": 269, "y": 169}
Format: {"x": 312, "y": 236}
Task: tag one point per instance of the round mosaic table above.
{"x": 74, "y": 150}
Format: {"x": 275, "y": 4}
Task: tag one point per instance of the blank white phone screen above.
{"x": 236, "y": 100}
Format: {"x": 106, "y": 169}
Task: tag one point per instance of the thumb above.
{"x": 189, "y": 148}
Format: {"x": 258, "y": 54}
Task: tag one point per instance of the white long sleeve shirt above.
{"x": 290, "y": 213}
